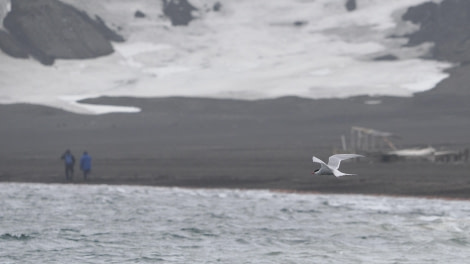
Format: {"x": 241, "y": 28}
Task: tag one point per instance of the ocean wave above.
{"x": 21, "y": 237}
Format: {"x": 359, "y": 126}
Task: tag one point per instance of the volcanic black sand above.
{"x": 264, "y": 144}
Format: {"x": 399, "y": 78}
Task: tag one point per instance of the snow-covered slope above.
{"x": 250, "y": 49}
{"x": 4, "y": 9}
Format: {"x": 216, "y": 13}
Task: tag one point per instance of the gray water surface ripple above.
{"x": 124, "y": 224}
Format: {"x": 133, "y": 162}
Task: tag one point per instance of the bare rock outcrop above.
{"x": 11, "y": 46}
{"x": 447, "y": 25}
{"x": 351, "y": 5}
{"x": 50, "y": 29}
{"x": 179, "y": 11}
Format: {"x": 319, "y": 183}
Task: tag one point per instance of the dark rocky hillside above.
{"x": 447, "y": 25}
{"x": 50, "y": 29}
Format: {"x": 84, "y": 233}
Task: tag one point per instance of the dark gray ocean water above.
{"x": 124, "y": 224}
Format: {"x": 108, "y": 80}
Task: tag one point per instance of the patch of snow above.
{"x": 373, "y": 102}
{"x": 73, "y": 101}
{"x": 5, "y": 7}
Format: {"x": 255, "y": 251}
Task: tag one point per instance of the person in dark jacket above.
{"x": 85, "y": 164}
{"x": 69, "y": 161}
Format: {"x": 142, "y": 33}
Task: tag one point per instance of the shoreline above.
{"x": 419, "y": 179}
{"x": 282, "y": 191}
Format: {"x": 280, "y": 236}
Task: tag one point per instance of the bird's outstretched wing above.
{"x": 317, "y": 160}
{"x": 335, "y": 160}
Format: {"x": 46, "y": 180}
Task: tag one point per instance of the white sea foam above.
{"x": 248, "y": 50}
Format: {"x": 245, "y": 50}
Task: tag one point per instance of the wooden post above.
{"x": 343, "y": 143}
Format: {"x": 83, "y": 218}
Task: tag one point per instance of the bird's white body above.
{"x": 333, "y": 164}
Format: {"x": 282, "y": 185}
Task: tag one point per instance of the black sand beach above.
{"x": 264, "y": 144}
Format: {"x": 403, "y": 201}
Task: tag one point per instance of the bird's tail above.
{"x": 338, "y": 173}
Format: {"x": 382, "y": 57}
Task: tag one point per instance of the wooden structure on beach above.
{"x": 375, "y": 143}
{"x": 369, "y": 140}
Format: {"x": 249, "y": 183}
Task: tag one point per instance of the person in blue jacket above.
{"x": 85, "y": 164}
{"x": 69, "y": 161}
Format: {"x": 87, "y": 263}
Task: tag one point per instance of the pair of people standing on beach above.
{"x": 69, "y": 161}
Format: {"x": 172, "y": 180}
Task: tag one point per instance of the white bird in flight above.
{"x": 333, "y": 164}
